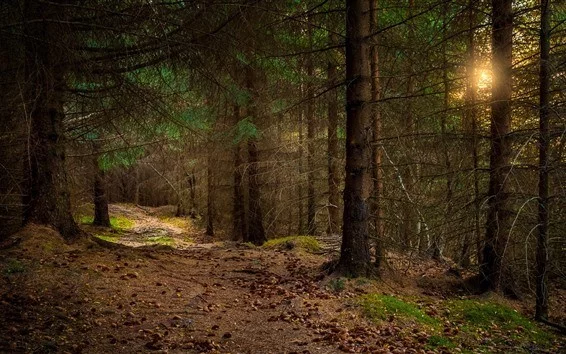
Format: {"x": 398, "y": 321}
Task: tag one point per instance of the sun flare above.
{"x": 484, "y": 78}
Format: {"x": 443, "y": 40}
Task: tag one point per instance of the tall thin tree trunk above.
{"x": 498, "y": 217}
{"x": 355, "y": 258}
{"x": 333, "y": 182}
{"x": 101, "y": 216}
{"x": 437, "y": 240}
{"x": 238, "y": 211}
{"x": 376, "y": 152}
{"x": 48, "y": 198}
{"x": 311, "y": 200}
{"x": 209, "y": 197}
{"x": 544, "y": 145}
{"x": 409, "y": 232}
{"x": 471, "y": 123}
{"x": 256, "y": 232}
{"x": 301, "y": 220}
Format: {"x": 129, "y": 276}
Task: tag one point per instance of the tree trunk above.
{"x": 301, "y": 221}
{"x": 541, "y": 310}
{"x": 355, "y": 259}
{"x": 101, "y": 216}
{"x": 238, "y": 211}
{"x": 376, "y": 152}
{"x": 256, "y": 232}
{"x": 209, "y": 197}
{"x": 311, "y": 201}
{"x": 48, "y": 198}
{"x": 471, "y": 125}
{"x": 333, "y": 182}
{"x": 498, "y": 216}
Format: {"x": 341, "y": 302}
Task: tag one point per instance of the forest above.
{"x": 283, "y": 176}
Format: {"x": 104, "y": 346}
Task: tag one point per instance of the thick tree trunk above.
{"x": 541, "y": 308}
{"x": 48, "y": 198}
{"x": 376, "y": 151}
{"x": 101, "y": 216}
{"x": 238, "y": 210}
{"x": 311, "y": 200}
{"x": 498, "y": 217}
{"x": 355, "y": 259}
{"x": 333, "y": 173}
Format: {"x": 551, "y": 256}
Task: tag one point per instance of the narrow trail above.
{"x": 191, "y": 296}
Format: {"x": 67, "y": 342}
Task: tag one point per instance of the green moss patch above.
{"x": 307, "y": 243}
{"x": 161, "y": 240}
{"x": 492, "y": 316}
{"x": 379, "y": 307}
{"x": 107, "y": 236}
{"x": 116, "y": 222}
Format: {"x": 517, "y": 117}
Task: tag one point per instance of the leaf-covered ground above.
{"x": 178, "y": 292}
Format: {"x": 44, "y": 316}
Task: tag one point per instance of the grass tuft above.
{"x": 308, "y": 243}
{"x": 378, "y": 307}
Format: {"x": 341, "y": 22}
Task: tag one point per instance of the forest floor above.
{"x": 162, "y": 286}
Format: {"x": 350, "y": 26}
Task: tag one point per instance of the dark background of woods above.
{"x": 234, "y": 113}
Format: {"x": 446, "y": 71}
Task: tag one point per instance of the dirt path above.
{"x": 199, "y": 298}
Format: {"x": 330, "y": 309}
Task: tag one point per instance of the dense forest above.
{"x": 351, "y": 147}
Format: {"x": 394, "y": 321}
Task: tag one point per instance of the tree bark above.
{"x": 256, "y": 232}
{"x": 48, "y": 198}
{"x": 209, "y": 197}
{"x": 541, "y": 309}
{"x": 471, "y": 125}
{"x": 101, "y": 216}
{"x": 311, "y": 199}
{"x": 332, "y": 142}
{"x": 376, "y": 152}
{"x": 238, "y": 211}
{"x": 355, "y": 259}
{"x": 498, "y": 216}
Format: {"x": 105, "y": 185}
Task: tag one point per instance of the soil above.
{"x": 198, "y": 297}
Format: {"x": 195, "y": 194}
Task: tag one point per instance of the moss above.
{"x": 13, "y": 266}
{"x": 116, "y": 222}
{"x": 308, "y": 243}
{"x": 181, "y": 223}
{"x": 379, "y": 307}
{"x": 161, "y": 240}
{"x": 439, "y": 341}
{"x": 487, "y": 314}
{"x": 107, "y": 236}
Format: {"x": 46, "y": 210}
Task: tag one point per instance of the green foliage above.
{"x": 120, "y": 158}
{"x": 13, "y": 266}
{"x": 379, "y": 307}
{"x": 337, "y": 285}
{"x": 307, "y": 243}
{"x": 245, "y": 129}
